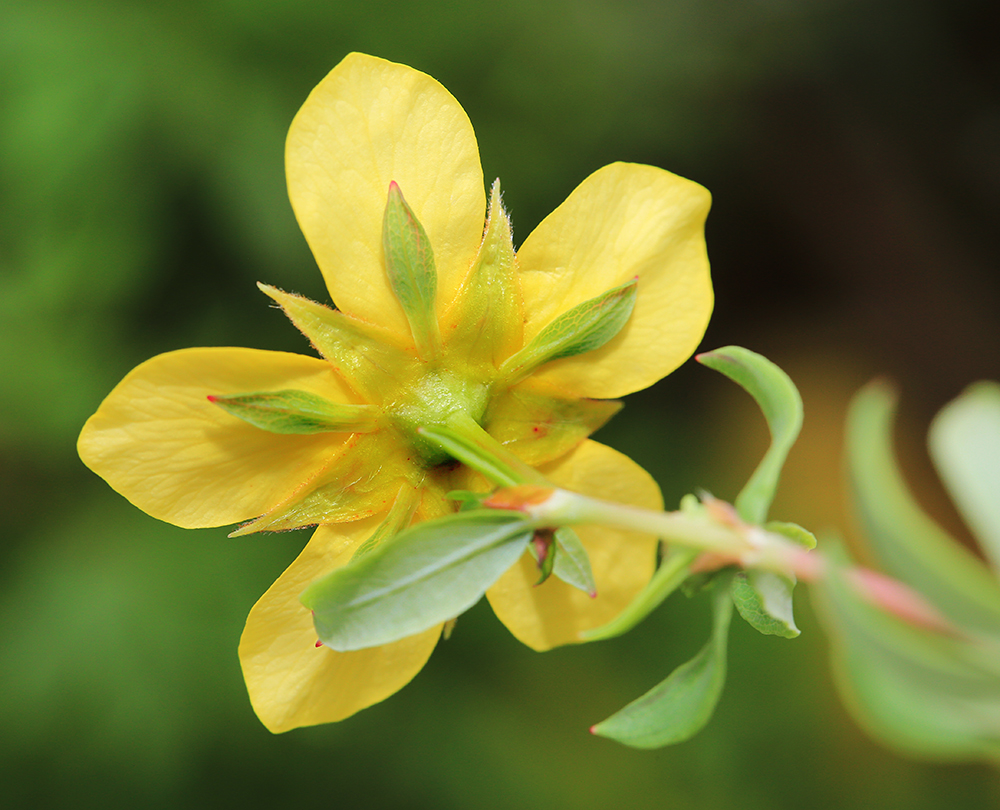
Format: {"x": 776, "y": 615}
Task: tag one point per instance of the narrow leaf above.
{"x": 965, "y": 445}
{"x": 297, "y": 412}
{"x": 586, "y": 327}
{"x": 427, "y": 575}
{"x": 679, "y": 707}
{"x": 779, "y": 399}
{"x": 908, "y": 544}
{"x": 409, "y": 262}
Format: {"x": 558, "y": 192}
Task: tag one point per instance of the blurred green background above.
{"x": 853, "y": 150}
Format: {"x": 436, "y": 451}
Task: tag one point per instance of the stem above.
{"x": 738, "y": 543}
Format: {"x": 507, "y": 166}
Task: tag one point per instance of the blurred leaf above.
{"x": 908, "y": 544}
{"x": 793, "y": 532}
{"x": 679, "y": 707}
{"x": 920, "y": 691}
{"x": 779, "y": 399}
{"x": 964, "y": 442}
{"x": 424, "y": 576}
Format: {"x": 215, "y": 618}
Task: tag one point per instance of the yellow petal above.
{"x": 370, "y": 122}
{"x": 292, "y": 682}
{"x": 625, "y": 220}
{"x": 555, "y": 613}
{"x": 158, "y": 441}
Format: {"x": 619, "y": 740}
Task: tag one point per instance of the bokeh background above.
{"x": 853, "y": 150}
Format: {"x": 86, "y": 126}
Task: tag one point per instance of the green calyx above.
{"x": 438, "y": 399}
{"x": 297, "y": 412}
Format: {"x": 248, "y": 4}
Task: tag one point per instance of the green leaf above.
{"x": 965, "y": 445}
{"x": 409, "y": 262}
{"x": 793, "y": 532}
{"x": 921, "y": 692}
{"x": 779, "y": 399}
{"x": 909, "y": 545}
{"x": 297, "y": 412}
{"x": 425, "y": 576}
{"x": 764, "y": 600}
{"x": 586, "y": 327}
{"x": 679, "y": 707}
{"x": 572, "y": 563}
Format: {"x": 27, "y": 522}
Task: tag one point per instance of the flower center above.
{"x": 438, "y": 399}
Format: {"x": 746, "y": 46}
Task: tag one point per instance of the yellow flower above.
{"x": 352, "y": 462}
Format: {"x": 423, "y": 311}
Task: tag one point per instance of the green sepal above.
{"x": 465, "y": 441}
{"x": 369, "y": 358}
{"x": 679, "y": 707}
{"x": 361, "y": 478}
{"x": 586, "y": 327}
{"x": 779, "y": 399}
{"x": 409, "y": 263}
{"x": 427, "y": 575}
{"x": 297, "y": 412}
{"x": 907, "y": 543}
{"x": 485, "y": 324}
{"x": 964, "y": 441}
